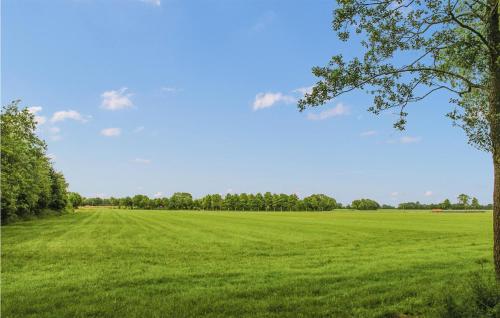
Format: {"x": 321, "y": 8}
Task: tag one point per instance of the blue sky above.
{"x": 161, "y": 96}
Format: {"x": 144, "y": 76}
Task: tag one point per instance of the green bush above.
{"x": 477, "y": 297}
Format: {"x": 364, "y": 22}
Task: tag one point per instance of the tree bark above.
{"x": 496, "y": 216}
{"x": 494, "y": 109}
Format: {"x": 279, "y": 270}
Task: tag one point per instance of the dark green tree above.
{"x": 365, "y": 204}
{"x": 475, "y": 204}
{"x": 28, "y": 181}
{"x": 140, "y": 201}
{"x": 446, "y": 205}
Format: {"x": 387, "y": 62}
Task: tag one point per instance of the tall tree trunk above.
{"x": 494, "y": 108}
{"x": 496, "y": 215}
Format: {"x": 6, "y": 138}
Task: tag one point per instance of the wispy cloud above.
{"x": 68, "y": 114}
{"x": 158, "y": 194}
{"x": 116, "y": 99}
{"x": 428, "y": 193}
{"x": 409, "y": 139}
{"x": 170, "y": 89}
{"x": 141, "y": 161}
{"x": 404, "y": 140}
{"x": 111, "y": 132}
{"x": 156, "y": 3}
{"x": 265, "y": 100}
{"x": 339, "y": 110}
{"x": 368, "y": 133}
{"x": 394, "y": 194}
{"x": 264, "y": 21}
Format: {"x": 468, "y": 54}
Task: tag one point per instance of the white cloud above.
{"x": 116, "y": 99}
{"x": 68, "y": 114}
{"x": 304, "y": 90}
{"x": 394, "y": 194}
{"x": 138, "y": 129}
{"x": 156, "y": 3}
{"x": 111, "y": 132}
{"x": 428, "y": 193}
{"x": 35, "y": 109}
{"x": 169, "y": 89}
{"x": 142, "y": 161}
{"x": 265, "y": 100}
{"x": 51, "y": 156}
{"x": 55, "y": 138}
{"x": 339, "y": 110}
{"x": 409, "y": 139}
{"x": 158, "y": 194}
{"x": 368, "y": 133}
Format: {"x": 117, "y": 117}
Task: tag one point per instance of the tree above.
{"x": 28, "y": 181}
{"x": 75, "y": 199}
{"x": 446, "y": 205}
{"x": 260, "y": 202}
{"x": 293, "y": 201}
{"x": 114, "y": 201}
{"x": 206, "y": 202}
{"x": 475, "y": 204}
{"x": 243, "y": 203}
{"x": 463, "y": 200}
{"x": 268, "y": 201}
{"x": 181, "y": 201}
{"x": 365, "y": 204}
{"x": 216, "y": 201}
{"x": 128, "y": 203}
{"x": 140, "y": 201}
{"x": 454, "y": 47}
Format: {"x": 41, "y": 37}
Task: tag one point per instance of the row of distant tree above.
{"x": 30, "y": 185}
{"x": 233, "y": 202}
{"x": 465, "y": 202}
{"x": 263, "y": 202}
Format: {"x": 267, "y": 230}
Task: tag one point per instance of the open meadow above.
{"x": 116, "y": 263}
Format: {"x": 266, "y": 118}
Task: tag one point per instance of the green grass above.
{"x": 118, "y": 263}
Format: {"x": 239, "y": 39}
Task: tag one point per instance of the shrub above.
{"x": 477, "y": 297}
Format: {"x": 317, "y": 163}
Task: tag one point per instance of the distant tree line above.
{"x": 464, "y": 202}
{"x": 267, "y": 202}
{"x": 30, "y": 184}
{"x": 230, "y": 202}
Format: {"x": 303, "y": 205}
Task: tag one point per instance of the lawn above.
{"x": 131, "y": 263}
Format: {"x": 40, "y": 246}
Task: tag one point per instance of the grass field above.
{"x": 118, "y": 263}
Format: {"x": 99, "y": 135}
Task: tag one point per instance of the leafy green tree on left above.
{"x": 28, "y": 181}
